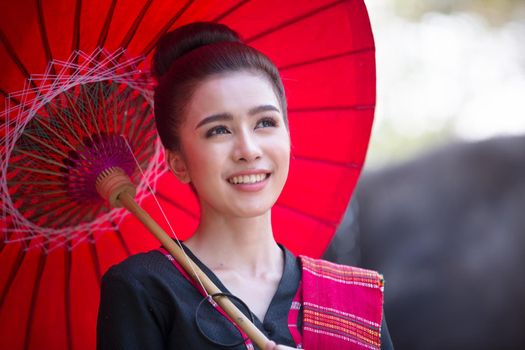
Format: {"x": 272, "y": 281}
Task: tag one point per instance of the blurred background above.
{"x": 440, "y": 206}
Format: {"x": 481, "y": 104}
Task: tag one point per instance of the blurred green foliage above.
{"x": 390, "y": 146}
{"x": 496, "y": 12}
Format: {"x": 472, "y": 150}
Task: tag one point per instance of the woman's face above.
{"x": 235, "y": 146}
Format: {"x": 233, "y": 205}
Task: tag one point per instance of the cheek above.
{"x": 284, "y": 145}
{"x": 193, "y": 157}
{"x": 199, "y": 164}
{"x": 204, "y": 163}
{"x": 286, "y": 165}
{"x": 281, "y": 150}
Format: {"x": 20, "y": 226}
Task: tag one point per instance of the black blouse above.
{"x": 146, "y": 303}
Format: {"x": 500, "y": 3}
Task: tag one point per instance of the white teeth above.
{"x": 247, "y": 179}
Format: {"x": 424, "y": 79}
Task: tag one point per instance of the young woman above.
{"x": 220, "y": 110}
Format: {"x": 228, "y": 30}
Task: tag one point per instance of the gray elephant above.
{"x": 447, "y": 230}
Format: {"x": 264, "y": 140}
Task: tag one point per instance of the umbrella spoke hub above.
{"x": 96, "y": 154}
{"x": 111, "y": 183}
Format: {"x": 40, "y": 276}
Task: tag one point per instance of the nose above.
{"x": 247, "y": 147}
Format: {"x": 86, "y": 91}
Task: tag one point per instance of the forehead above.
{"x": 233, "y": 93}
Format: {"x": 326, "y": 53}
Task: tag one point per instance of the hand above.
{"x": 272, "y": 346}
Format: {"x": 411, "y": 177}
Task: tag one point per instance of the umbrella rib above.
{"x": 293, "y": 20}
{"x": 78, "y": 116}
{"x": 145, "y": 123}
{"x": 67, "y": 296}
{"x": 128, "y": 120}
{"x": 102, "y": 106}
{"x": 143, "y": 158}
{"x": 36, "y": 170}
{"x": 40, "y": 121}
{"x": 88, "y": 213}
{"x": 135, "y": 103}
{"x": 105, "y": 29}
{"x": 351, "y": 165}
{"x": 230, "y": 11}
{"x": 311, "y": 216}
{"x": 40, "y": 183}
{"x": 74, "y": 211}
{"x": 44, "y": 204}
{"x": 136, "y": 23}
{"x": 120, "y": 238}
{"x": 124, "y": 107}
{"x": 16, "y": 101}
{"x": 114, "y": 102}
{"x": 41, "y": 264}
{"x": 37, "y": 216}
{"x": 75, "y": 216}
{"x": 8, "y": 231}
{"x": 6, "y": 95}
{"x": 47, "y": 194}
{"x": 166, "y": 27}
{"x": 43, "y": 32}
{"x": 18, "y": 263}
{"x": 58, "y": 114}
{"x": 327, "y": 58}
{"x": 14, "y": 57}
{"x": 94, "y": 257}
{"x": 175, "y": 204}
{"x": 71, "y": 211}
{"x": 76, "y": 27}
{"x": 24, "y": 177}
{"x": 43, "y": 159}
{"x": 149, "y": 139}
{"x": 123, "y": 118}
{"x": 83, "y": 91}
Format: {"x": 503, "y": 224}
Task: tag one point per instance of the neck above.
{"x": 243, "y": 244}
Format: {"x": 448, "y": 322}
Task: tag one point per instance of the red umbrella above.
{"x": 68, "y": 66}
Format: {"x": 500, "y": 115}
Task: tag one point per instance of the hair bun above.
{"x": 182, "y": 40}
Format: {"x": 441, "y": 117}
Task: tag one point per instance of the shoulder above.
{"x": 148, "y": 273}
{"x": 138, "y": 266}
{"x": 319, "y": 268}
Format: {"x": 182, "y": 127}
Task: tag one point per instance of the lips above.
{"x": 248, "y": 178}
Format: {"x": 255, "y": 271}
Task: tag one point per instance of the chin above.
{"x": 253, "y": 211}
{"x": 247, "y": 214}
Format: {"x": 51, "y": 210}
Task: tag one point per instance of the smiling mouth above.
{"x": 248, "y": 179}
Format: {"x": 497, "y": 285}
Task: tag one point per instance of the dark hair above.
{"x": 188, "y": 55}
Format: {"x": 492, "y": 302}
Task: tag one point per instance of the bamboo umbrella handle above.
{"x": 115, "y": 186}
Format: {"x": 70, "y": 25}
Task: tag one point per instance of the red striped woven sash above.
{"x": 342, "y": 306}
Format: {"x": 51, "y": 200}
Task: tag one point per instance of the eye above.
{"x": 266, "y": 123}
{"x": 217, "y": 130}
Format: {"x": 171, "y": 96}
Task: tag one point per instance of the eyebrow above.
{"x": 228, "y": 116}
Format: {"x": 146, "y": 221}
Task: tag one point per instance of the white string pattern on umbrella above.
{"x": 63, "y": 120}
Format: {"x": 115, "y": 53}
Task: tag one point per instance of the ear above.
{"x": 177, "y": 165}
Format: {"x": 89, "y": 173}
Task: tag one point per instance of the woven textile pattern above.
{"x": 342, "y": 306}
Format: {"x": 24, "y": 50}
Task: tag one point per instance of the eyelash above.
{"x": 271, "y": 121}
{"x": 219, "y": 129}
{"x": 214, "y": 131}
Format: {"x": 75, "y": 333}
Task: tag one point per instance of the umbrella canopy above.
{"x": 75, "y": 77}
